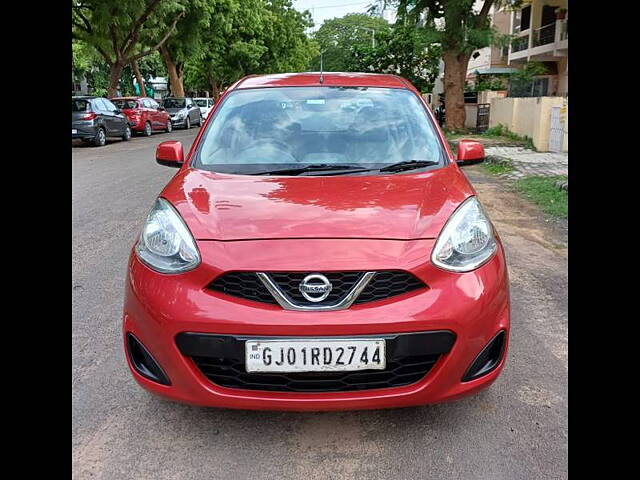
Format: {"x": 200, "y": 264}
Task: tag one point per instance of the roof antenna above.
{"x": 321, "y": 80}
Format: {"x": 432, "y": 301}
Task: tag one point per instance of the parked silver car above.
{"x": 183, "y": 111}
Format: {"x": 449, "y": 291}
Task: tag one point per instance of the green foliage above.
{"x": 246, "y": 37}
{"x": 502, "y": 131}
{"x": 214, "y": 42}
{"x": 403, "y": 50}
{"x": 497, "y": 167}
{"x": 528, "y": 72}
{"x": 488, "y": 82}
{"x": 544, "y": 192}
{"x": 340, "y": 37}
{"x": 121, "y": 29}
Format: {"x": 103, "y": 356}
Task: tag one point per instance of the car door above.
{"x": 119, "y": 121}
{"x": 158, "y": 120}
{"x": 103, "y": 115}
{"x": 192, "y": 110}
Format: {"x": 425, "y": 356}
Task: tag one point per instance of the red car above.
{"x": 318, "y": 249}
{"x": 145, "y": 114}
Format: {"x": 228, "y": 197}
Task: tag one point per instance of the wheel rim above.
{"x": 188, "y": 123}
{"x": 101, "y": 137}
{"x": 147, "y": 129}
{"x": 127, "y": 133}
{"x": 169, "y": 127}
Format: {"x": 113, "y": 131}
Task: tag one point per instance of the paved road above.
{"x": 515, "y": 430}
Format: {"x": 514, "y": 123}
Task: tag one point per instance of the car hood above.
{"x": 241, "y": 207}
{"x": 173, "y": 111}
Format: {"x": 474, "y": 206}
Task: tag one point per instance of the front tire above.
{"x": 169, "y": 126}
{"x": 147, "y": 130}
{"x": 127, "y": 134}
{"x": 187, "y": 123}
{"x": 100, "y": 139}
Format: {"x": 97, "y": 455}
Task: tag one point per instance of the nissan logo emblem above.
{"x": 315, "y": 287}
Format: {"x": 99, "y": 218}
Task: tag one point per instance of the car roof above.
{"x": 334, "y": 79}
{"x": 84, "y": 97}
{"x": 128, "y": 98}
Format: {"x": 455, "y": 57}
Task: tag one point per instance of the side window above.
{"x": 110, "y": 107}
{"x": 211, "y": 102}
{"x": 146, "y": 103}
{"x": 189, "y": 103}
{"x": 99, "y": 105}
{"x": 153, "y": 104}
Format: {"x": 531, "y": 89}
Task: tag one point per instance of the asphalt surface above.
{"x": 517, "y": 429}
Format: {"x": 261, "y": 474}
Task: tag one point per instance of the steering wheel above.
{"x": 279, "y": 146}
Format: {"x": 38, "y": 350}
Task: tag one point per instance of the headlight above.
{"x": 181, "y": 114}
{"x": 466, "y": 241}
{"x": 166, "y": 245}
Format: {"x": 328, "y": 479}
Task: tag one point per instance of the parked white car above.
{"x": 205, "y": 105}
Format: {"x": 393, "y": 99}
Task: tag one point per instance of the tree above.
{"x": 231, "y": 47}
{"x": 188, "y": 41}
{"x": 119, "y": 29}
{"x": 249, "y": 36}
{"x": 288, "y": 47}
{"x": 464, "y": 30}
{"x": 405, "y": 51}
{"x": 340, "y": 37}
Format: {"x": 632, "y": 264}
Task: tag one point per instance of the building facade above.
{"x": 541, "y": 28}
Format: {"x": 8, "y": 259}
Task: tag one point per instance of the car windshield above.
{"x": 201, "y": 102}
{"x": 173, "y": 103}
{"x": 122, "y": 104}
{"x": 80, "y": 106}
{"x": 257, "y": 130}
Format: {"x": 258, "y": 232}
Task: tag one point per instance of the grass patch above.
{"x": 502, "y": 132}
{"x": 497, "y": 168}
{"x": 543, "y": 192}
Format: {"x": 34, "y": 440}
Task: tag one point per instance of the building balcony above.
{"x": 541, "y": 44}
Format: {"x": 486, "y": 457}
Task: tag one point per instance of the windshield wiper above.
{"x": 313, "y": 168}
{"x": 408, "y": 165}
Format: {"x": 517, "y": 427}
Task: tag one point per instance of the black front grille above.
{"x": 409, "y": 358}
{"x": 244, "y": 285}
{"x": 389, "y": 284}
{"x": 384, "y": 284}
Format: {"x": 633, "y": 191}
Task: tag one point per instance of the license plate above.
{"x": 317, "y": 355}
{"x": 73, "y": 131}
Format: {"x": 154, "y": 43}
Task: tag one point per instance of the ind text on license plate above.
{"x": 314, "y": 355}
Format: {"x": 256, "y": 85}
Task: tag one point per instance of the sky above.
{"x": 322, "y": 10}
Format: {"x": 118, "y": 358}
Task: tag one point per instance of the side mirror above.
{"x": 161, "y": 108}
{"x": 170, "y": 154}
{"x": 117, "y": 111}
{"x": 470, "y": 152}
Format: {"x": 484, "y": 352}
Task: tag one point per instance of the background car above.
{"x": 205, "y": 105}
{"x": 145, "y": 114}
{"x": 93, "y": 119}
{"x": 183, "y": 111}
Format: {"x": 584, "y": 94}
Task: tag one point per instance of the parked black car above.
{"x": 183, "y": 111}
{"x": 93, "y": 119}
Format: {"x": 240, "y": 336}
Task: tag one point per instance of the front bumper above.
{"x": 473, "y": 306}
{"x": 178, "y": 122}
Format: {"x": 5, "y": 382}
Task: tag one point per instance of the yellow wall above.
{"x": 530, "y": 117}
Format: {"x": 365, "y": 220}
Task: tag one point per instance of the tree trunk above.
{"x": 455, "y": 73}
{"x": 139, "y": 79}
{"x": 215, "y": 90}
{"x": 114, "y": 78}
{"x": 175, "y": 73}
